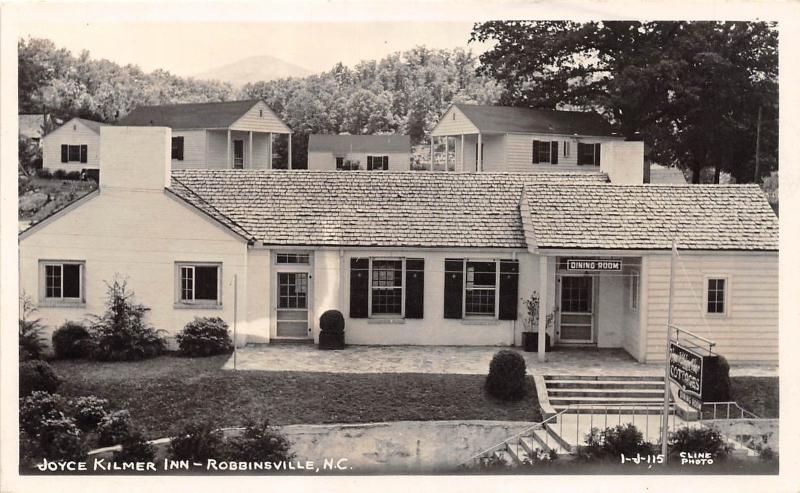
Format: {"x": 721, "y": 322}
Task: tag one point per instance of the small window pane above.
{"x": 205, "y": 283}
{"x": 72, "y": 280}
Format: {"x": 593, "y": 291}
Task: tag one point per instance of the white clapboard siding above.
{"x": 74, "y": 132}
{"x": 519, "y": 152}
{"x": 260, "y": 118}
{"x": 398, "y": 161}
{"x": 194, "y": 149}
{"x": 449, "y": 125}
{"x": 748, "y": 331}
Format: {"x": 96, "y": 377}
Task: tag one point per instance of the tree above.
{"x": 692, "y": 89}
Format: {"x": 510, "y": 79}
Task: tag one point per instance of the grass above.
{"x": 164, "y": 393}
{"x": 759, "y": 395}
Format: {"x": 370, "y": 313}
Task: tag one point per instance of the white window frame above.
{"x": 725, "y": 295}
{"x": 180, "y": 302}
{"x": 633, "y": 299}
{"x": 496, "y": 314}
{"x": 402, "y": 313}
{"x": 307, "y": 256}
{"x": 45, "y": 300}
{"x": 566, "y": 148}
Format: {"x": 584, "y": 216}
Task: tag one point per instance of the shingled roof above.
{"x": 502, "y": 119}
{"x": 359, "y": 143}
{"x": 363, "y": 208}
{"x": 647, "y": 217}
{"x": 189, "y": 116}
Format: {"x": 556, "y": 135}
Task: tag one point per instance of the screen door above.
{"x": 576, "y": 310}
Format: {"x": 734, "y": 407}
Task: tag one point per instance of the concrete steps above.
{"x": 587, "y": 391}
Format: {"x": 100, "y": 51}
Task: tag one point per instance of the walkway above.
{"x": 446, "y": 360}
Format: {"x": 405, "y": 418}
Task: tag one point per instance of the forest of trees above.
{"x": 698, "y": 93}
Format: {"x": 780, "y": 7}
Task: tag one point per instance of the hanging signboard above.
{"x": 594, "y": 265}
{"x": 691, "y": 400}
{"x": 686, "y": 369}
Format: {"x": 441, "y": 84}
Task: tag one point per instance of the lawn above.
{"x": 759, "y": 395}
{"x": 45, "y": 195}
{"x": 164, "y": 393}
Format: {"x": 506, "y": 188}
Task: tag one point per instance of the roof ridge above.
{"x": 170, "y": 105}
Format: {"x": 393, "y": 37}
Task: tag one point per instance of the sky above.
{"x": 188, "y": 48}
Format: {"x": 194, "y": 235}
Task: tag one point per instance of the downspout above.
{"x": 341, "y": 275}
{"x": 514, "y": 322}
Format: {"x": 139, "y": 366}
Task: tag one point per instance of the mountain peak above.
{"x": 253, "y": 69}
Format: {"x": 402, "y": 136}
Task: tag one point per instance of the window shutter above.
{"x": 359, "y": 287}
{"x": 453, "y": 287}
{"x": 597, "y": 154}
{"x": 369, "y": 162}
{"x": 535, "y": 152}
{"x": 84, "y": 152}
{"x": 509, "y": 286}
{"x": 554, "y": 152}
{"x": 385, "y": 163}
{"x": 415, "y": 287}
{"x": 64, "y": 153}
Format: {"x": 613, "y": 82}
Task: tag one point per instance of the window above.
{"x": 238, "y": 154}
{"x": 63, "y": 281}
{"x": 386, "y": 286}
{"x": 544, "y": 152}
{"x": 292, "y": 290}
{"x": 74, "y": 153}
{"x": 291, "y": 258}
{"x": 566, "y": 149}
{"x": 588, "y": 154}
{"x": 378, "y": 163}
{"x": 199, "y": 284}
{"x": 715, "y": 295}
{"x": 177, "y": 148}
{"x": 480, "y": 288}
{"x": 634, "y": 298}
{"x": 339, "y": 163}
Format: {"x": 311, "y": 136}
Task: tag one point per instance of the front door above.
{"x": 575, "y": 322}
{"x": 238, "y": 154}
{"x": 292, "y": 316}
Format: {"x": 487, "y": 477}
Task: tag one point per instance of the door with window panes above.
{"x": 576, "y": 319}
{"x": 293, "y": 283}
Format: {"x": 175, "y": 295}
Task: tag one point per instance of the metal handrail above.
{"x": 743, "y": 413}
{"x": 570, "y": 407}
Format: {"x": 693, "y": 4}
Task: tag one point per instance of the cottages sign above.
{"x": 594, "y": 265}
{"x": 686, "y": 369}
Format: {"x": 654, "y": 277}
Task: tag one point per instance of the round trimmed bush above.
{"x": 37, "y": 375}
{"x": 196, "y": 442}
{"x": 716, "y": 380}
{"x": 259, "y": 442}
{"x": 332, "y": 321}
{"x": 506, "y": 379}
{"x": 36, "y": 408}
{"x": 72, "y": 340}
{"x": 89, "y": 411}
{"x": 113, "y": 428}
{"x": 205, "y": 336}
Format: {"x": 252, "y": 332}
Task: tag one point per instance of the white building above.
{"x": 74, "y": 146}
{"x": 231, "y": 134}
{"x": 518, "y": 139}
{"x": 364, "y": 152}
{"x": 412, "y": 258}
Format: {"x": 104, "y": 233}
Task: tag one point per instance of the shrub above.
{"x": 36, "y": 408}
{"x": 121, "y": 334}
{"x": 73, "y": 175}
{"x": 259, "y": 442}
{"x": 332, "y": 321}
{"x": 196, "y": 442}
{"x": 60, "y": 174}
{"x": 72, "y": 340}
{"x": 31, "y": 343}
{"x": 89, "y": 411}
{"x": 37, "y": 375}
{"x": 204, "y": 336}
{"x": 716, "y": 380}
{"x": 608, "y": 444}
{"x": 135, "y": 448}
{"x": 44, "y": 173}
{"x": 59, "y": 438}
{"x": 113, "y": 428}
{"x": 701, "y": 439}
{"x": 506, "y": 378}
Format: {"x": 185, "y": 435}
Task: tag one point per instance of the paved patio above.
{"x": 469, "y": 360}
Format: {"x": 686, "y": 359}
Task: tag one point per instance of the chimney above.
{"x": 135, "y": 158}
{"x": 623, "y": 161}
